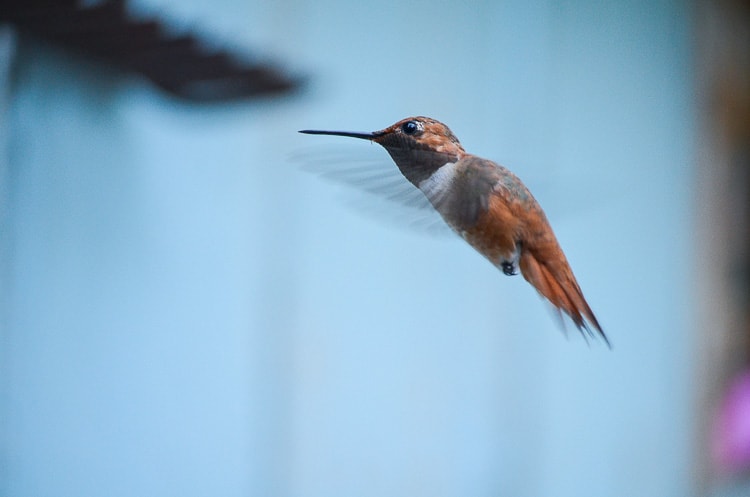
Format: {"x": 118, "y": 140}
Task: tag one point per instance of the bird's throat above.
{"x": 419, "y": 165}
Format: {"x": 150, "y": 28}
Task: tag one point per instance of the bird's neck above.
{"x": 419, "y": 165}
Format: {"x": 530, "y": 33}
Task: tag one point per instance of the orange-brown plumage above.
{"x": 513, "y": 217}
{"x": 488, "y": 206}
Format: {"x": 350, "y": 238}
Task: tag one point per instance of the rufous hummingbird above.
{"x": 488, "y": 206}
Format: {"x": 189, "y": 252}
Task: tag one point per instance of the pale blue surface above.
{"x": 190, "y": 314}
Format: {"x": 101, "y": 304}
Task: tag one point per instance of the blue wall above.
{"x": 190, "y": 313}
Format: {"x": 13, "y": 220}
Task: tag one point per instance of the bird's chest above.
{"x": 459, "y": 192}
{"x": 464, "y": 198}
{"x": 443, "y": 189}
{"x": 439, "y": 186}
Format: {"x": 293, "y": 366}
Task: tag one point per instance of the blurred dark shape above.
{"x": 180, "y": 65}
{"x": 729, "y": 111}
{"x": 723, "y": 70}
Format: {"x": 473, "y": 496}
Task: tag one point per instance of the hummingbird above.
{"x": 486, "y": 205}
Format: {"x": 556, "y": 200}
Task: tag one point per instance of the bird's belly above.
{"x": 494, "y": 235}
{"x": 494, "y": 245}
{"x": 492, "y": 231}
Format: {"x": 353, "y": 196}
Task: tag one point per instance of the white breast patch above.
{"x": 439, "y": 182}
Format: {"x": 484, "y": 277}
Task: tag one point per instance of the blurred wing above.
{"x": 390, "y": 196}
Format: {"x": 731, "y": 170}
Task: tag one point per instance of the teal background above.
{"x": 187, "y": 312}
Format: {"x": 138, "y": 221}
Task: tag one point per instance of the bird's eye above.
{"x": 410, "y": 127}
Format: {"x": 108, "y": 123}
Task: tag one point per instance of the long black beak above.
{"x": 352, "y": 134}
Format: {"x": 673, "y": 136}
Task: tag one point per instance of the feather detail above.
{"x": 556, "y": 283}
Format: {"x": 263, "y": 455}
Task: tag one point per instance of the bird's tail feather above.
{"x": 559, "y": 286}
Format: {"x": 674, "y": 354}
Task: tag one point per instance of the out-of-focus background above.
{"x": 184, "y": 310}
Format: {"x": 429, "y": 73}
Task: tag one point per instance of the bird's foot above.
{"x": 509, "y": 268}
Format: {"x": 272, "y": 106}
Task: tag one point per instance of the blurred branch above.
{"x": 181, "y": 65}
